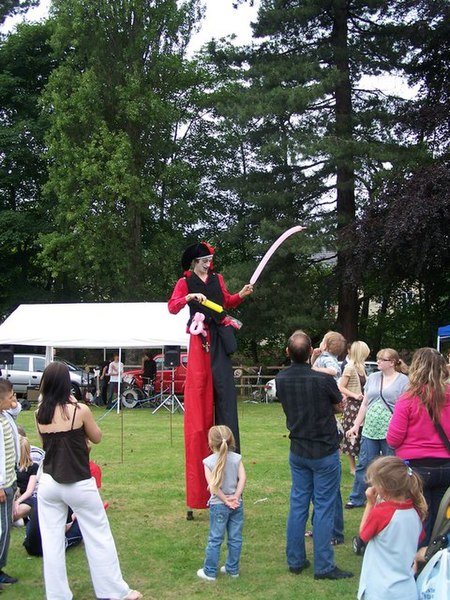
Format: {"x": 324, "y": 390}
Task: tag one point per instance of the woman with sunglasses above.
{"x": 381, "y": 392}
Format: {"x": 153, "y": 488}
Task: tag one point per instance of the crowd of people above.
{"x": 396, "y": 427}
{"x": 393, "y": 425}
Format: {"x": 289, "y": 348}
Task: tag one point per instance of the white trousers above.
{"x": 85, "y": 501}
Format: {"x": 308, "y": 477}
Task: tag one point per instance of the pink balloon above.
{"x": 272, "y": 249}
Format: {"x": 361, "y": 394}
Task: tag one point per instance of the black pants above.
{"x": 33, "y": 542}
{"x": 436, "y": 480}
{"x": 225, "y": 395}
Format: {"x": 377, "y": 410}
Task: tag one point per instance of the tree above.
{"x": 25, "y": 65}
{"x": 319, "y": 140}
{"x": 403, "y": 245}
{"x": 9, "y": 8}
{"x": 123, "y": 108}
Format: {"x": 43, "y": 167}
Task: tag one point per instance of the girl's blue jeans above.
{"x": 224, "y": 520}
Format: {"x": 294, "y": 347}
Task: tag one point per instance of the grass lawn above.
{"x": 160, "y": 552}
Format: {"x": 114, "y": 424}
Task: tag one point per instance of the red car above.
{"x": 162, "y": 374}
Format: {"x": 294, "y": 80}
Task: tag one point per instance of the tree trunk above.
{"x": 347, "y": 319}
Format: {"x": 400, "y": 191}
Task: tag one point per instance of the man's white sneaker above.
{"x": 225, "y": 572}
{"x": 201, "y": 573}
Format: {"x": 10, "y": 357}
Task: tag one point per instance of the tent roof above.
{"x": 444, "y": 332}
{"x": 99, "y": 325}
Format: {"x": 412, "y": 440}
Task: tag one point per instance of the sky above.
{"x": 222, "y": 19}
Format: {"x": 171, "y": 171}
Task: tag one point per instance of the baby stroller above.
{"x": 441, "y": 529}
{"x": 433, "y": 581}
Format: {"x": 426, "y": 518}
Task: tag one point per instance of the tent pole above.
{"x": 48, "y": 355}
{"x": 119, "y": 383}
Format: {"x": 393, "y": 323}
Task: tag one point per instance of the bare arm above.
{"x": 242, "y": 480}
{"x": 29, "y": 491}
{"x": 93, "y": 431}
{"x": 353, "y": 431}
{"x": 327, "y": 370}
{"x": 339, "y": 408}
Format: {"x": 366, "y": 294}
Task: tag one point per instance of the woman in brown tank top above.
{"x": 64, "y": 425}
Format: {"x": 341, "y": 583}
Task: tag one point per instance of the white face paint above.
{"x": 202, "y": 264}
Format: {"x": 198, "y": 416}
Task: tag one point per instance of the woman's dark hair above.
{"x": 55, "y": 391}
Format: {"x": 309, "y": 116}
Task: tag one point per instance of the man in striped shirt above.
{"x": 9, "y": 456}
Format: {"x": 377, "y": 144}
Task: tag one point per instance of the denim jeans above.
{"x": 369, "y": 451}
{"x": 112, "y": 393}
{"x": 338, "y": 527}
{"x": 318, "y": 477}
{"x": 223, "y": 519}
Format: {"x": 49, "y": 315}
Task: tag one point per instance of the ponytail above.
{"x": 218, "y": 471}
{"x": 401, "y": 367}
{"x": 220, "y": 439}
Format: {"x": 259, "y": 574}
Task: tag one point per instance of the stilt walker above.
{"x": 210, "y": 395}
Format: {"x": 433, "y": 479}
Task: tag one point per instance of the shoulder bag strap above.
{"x": 440, "y": 431}
{"x": 381, "y": 395}
{"x": 73, "y": 416}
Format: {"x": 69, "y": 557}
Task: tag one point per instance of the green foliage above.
{"x": 9, "y": 8}
{"x": 118, "y": 151}
{"x": 119, "y": 158}
{"x": 25, "y": 64}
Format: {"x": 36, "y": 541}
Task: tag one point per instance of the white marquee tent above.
{"x": 99, "y": 325}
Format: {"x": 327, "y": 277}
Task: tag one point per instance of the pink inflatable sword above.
{"x": 271, "y": 250}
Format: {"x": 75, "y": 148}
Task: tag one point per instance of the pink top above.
{"x": 178, "y": 299}
{"x": 411, "y": 431}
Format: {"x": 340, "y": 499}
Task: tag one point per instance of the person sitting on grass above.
{"x": 33, "y": 541}
{"x": 391, "y": 526}
{"x": 226, "y": 479}
{"x": 36, "y": 453}
{"x": 26, "y": 473}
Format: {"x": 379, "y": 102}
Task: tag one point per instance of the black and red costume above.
{"x": 210, "y": 396}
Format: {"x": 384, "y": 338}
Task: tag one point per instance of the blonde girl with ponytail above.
{"x": 391, "y": 526}
{"x": 225, "y": 475}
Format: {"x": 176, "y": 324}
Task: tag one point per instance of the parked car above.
{"x": 371, "y": 366}
{"x": 271, "y": 388}
{"x": 27, "y": 369}
{"x": 163, "y": 374}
